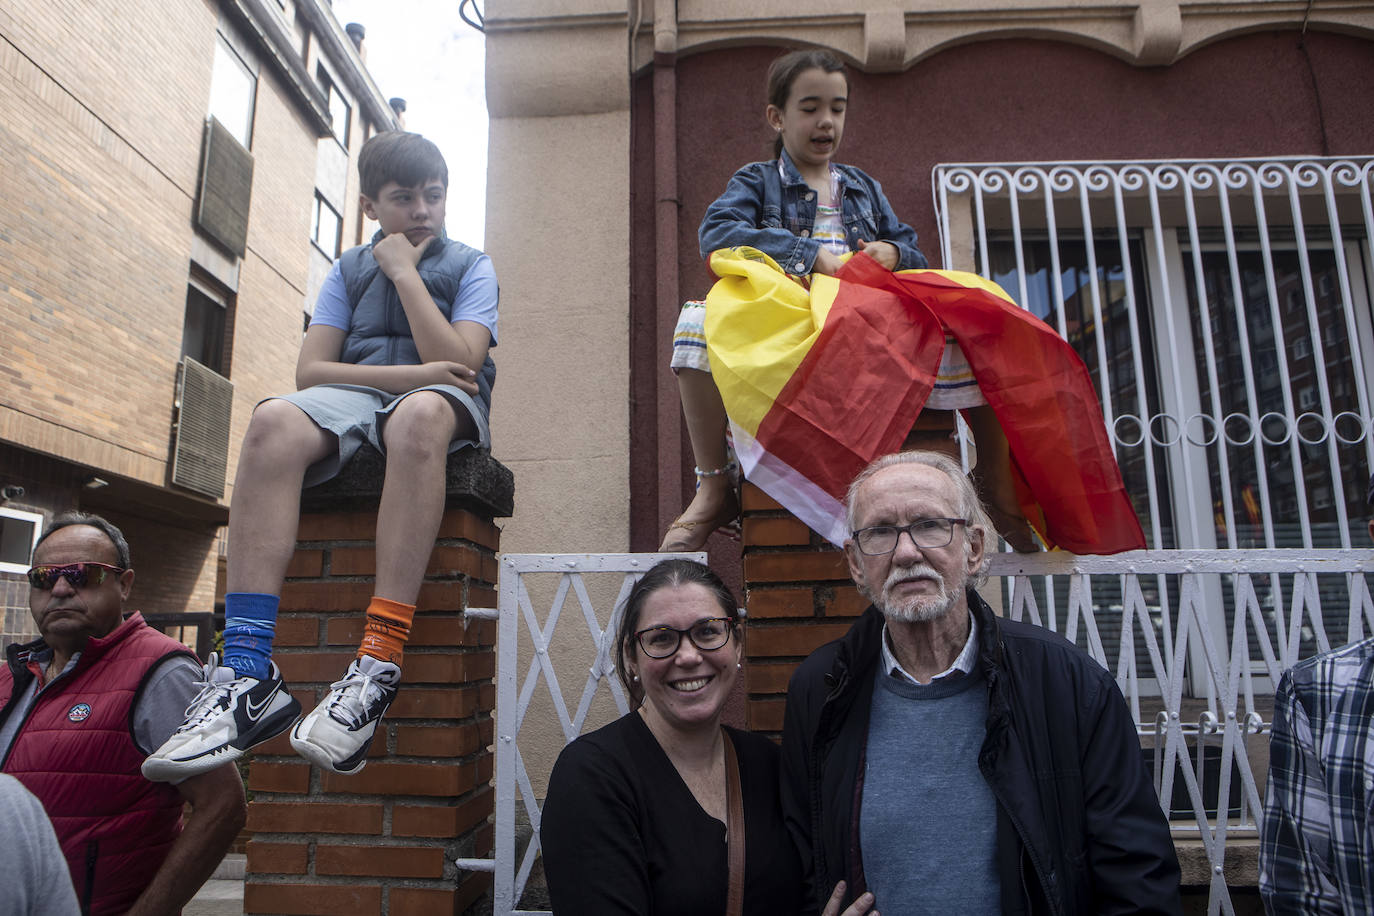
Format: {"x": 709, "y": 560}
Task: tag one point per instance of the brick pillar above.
{"x": 798, "y": 595}
{"x": 384, "y": 839}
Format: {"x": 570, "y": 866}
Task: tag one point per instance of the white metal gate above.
{"x": 518, "y": 680}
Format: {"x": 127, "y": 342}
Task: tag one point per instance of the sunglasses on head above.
{"x": 78, "y": 574}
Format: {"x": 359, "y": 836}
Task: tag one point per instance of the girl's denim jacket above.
{"x": 775, "y": 213}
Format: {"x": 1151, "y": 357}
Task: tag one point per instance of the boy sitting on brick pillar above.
{"x": 396, "y": 355}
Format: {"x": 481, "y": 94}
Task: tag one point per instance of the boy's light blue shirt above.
{"x": 476, "y": 300}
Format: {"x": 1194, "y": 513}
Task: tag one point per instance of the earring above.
{"x": 635, "y": 678}
{"x": 739, "y": 665}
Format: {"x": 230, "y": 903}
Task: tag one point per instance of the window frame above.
{"x": 34, "y": 518}
{"x": 232, "y": 57}
{"x": 321, "y": 201}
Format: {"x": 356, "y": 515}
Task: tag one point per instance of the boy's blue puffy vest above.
{"x": 379, "y": 334}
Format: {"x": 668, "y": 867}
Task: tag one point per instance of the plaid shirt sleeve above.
{"x": 1316, "y": 804}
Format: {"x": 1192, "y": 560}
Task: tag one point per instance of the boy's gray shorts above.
{"x": 355, "y": 414}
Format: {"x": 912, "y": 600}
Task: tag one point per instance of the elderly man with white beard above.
{"x": 945, "y": 760}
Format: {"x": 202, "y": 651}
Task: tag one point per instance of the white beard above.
{"x": 918, "y": 608}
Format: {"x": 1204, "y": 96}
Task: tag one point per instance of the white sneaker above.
{"x": 228, "y": 716}
{"x": 337, "y": 734}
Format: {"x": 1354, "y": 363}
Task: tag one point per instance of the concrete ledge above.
{"x": 1240, "y": 871}
{"x": 232, "y": 868}
{"x": 473, "y": 479}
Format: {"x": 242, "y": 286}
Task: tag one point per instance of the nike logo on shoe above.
{"x": 253, "y": 711}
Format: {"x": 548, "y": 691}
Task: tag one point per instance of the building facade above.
{"x": 178, "y": 178}
{"x": 1182, "y": 191}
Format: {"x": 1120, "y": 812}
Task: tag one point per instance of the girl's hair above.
{"x": 668, "y": 574}
{"x": 783, "y": 72}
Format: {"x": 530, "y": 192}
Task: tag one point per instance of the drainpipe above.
{"x": 666, "y": 291}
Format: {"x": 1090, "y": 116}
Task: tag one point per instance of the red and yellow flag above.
{"x": 818, "y": 384}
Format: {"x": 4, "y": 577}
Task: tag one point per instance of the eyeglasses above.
{"x": 924, "y": 532}
{"x": 707, "y": 635}
{"x": 78, "y": 574}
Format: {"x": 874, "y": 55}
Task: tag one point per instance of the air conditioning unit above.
{"x": 200, "y": 428}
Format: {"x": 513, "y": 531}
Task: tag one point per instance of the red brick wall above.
{"x": 382, "y": 840}
{"x": 798, "y": 596}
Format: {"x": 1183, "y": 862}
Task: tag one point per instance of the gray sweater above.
{"x": 928, "y": 821}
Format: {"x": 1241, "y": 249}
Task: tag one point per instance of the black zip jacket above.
{"x": 1079, "y": 826}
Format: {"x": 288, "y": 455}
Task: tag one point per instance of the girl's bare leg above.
{"x": 993, "y": 475}
{"x": 715, "y": 502}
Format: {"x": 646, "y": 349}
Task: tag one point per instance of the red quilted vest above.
{"x": 76, "y": 753}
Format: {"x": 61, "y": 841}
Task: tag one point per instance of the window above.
{"x": 233, "y": 90}
{"x": 340, "y": 112}
{"x": 205, "y": 334}
{"x": 327, "y": 227}
{"x": 1191, "y": 311}
{"x": 18, "y": 533}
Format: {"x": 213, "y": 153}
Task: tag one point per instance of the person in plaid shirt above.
{"x": 1317, "y": 840}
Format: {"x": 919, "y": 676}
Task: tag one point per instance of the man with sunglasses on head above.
{"x": 947, "y": 760}
{"x": 80, "y": 709}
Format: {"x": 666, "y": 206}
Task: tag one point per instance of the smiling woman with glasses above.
{"x": 666, "y": 811}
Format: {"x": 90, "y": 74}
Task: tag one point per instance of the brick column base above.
{"x": 798, "y": 595}
{"x": 383, "y": 840}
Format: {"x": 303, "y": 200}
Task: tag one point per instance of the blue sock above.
{"x": 250, "y": 621}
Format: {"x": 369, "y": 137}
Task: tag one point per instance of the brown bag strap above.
{"x": 734, "y": 829}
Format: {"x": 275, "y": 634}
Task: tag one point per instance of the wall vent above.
{"x": 200, "y": 428}
{"x": 226, "y": 187}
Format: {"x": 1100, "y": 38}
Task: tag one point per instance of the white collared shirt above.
{"x": 962, "y": 665}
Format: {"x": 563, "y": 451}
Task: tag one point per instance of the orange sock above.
{"x": 386, "y": 630}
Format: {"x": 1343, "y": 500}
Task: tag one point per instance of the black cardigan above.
{"x": 622, "y": 833}
{"x": 1079, "y": 830}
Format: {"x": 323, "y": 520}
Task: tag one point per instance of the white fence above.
{"x": 590, "y": 646}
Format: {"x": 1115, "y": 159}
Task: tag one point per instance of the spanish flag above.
{"x": 819, "y": 383}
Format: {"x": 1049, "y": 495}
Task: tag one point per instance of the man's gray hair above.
{"x": 68, "y": 519}
{"x": 970, "y": 506}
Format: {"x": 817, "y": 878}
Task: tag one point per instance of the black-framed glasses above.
{"x": 78, "y": 574}
{"x": 924, "y": 532}
{"x": 708, "y": 635}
